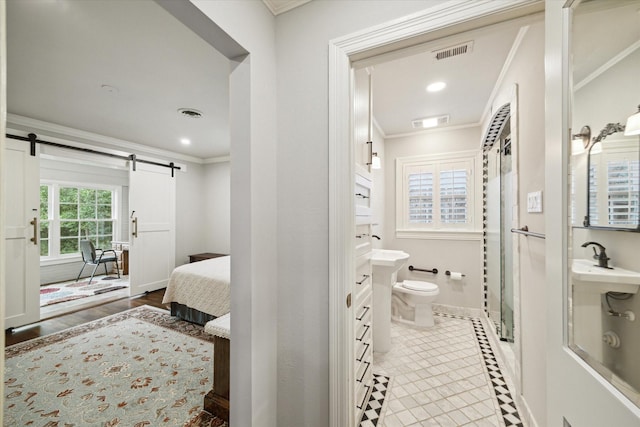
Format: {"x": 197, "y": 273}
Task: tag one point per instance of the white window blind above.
{"x": 420, "y": 197}
{"x": 453, "y": 196}
{"x": 593, "y": 195}
{"x": 436, "y": 193}
{"x": 623, "y": 192}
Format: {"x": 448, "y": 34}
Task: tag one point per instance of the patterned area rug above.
{"x": 72, "y": 290}
{"x": 137, "y": 368}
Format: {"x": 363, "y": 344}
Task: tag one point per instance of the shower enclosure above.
{"x": 498, "y": 251}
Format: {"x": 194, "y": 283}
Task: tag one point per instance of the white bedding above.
{"x": 202, "y": 285}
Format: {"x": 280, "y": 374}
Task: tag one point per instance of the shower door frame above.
{"x": 516, "y": 368}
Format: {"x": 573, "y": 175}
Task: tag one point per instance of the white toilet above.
{"x": 411, "y": 302}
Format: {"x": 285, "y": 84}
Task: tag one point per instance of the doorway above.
{"x": 343, "y": 52}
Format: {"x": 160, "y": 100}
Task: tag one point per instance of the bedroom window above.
{"x": 70, "y": 213}
{"x": 436, "y": 194}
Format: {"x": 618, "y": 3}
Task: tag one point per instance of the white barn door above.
{"x": 21, "y": 181}
{"x": 152, "y": 227}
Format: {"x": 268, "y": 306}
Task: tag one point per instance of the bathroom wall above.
{"x": 527, "y": 72}
{"x": 378, "y": 196}
{"x": 455, "y": 255}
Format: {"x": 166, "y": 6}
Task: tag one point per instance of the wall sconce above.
{"x": 375, "y": 161}
{"x": 580, "y": 141}
{"x": 633, "y": 124}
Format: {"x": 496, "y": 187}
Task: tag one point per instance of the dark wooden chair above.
{"x": 90, "y": 256}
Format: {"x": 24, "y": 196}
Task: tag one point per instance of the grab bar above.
{"x": 525, "y": 230}
{"x": 433, "y": 270}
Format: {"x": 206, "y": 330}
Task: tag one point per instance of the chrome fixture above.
{"x": 601, "y": 257}
{"x": 584, "y": 136}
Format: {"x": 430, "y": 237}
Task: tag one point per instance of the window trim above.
{"x": 54, "y": 223}
{"x": 468, "y": 231}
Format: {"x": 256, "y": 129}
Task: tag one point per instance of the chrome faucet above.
{"x": 601, "y": 257}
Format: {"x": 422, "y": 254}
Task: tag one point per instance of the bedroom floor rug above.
{"x": 72, "y": 290}
{"x": 138, "y": 368}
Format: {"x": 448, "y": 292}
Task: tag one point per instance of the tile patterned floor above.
{"x": 444, "y": 376}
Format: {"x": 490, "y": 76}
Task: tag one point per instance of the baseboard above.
{"x": 456, "y": 311}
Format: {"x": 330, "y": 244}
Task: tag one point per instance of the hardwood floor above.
{"x": 65, "y": 321}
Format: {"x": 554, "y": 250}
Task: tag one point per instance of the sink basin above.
{"x": 586, "y": 273}
{"x": 389, "y": 258}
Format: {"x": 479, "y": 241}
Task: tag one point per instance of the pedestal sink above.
{"x": 385, "y": 263}
{"x": 589, "y": 282}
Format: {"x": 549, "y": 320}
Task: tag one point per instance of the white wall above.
{"x": 302, "y": 40}
{"x": 254, "y": 297}
{"x": 464, "y": 256}
{"x": 378, "y": 195}
{"x": 527, "y": 71}
{"x": 217, "y": 199}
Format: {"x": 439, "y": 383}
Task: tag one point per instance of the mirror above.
{"x": 604, "y": 269}
{"x": 612, "y": 184}
{"x": 605, "y": 162}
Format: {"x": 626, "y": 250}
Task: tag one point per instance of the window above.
{"x": 614, "y": 194}
{"x": 70, "y": 213}
{"x": 623, "y": 193}
{"x": 436, "y": 193}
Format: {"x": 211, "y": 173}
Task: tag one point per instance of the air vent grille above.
{"x": 190, "y": 112}
{"x": 430, "y": 122}
{"x": 451, "y": 51}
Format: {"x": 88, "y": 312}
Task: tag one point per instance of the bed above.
{"x": 200, "y": 291}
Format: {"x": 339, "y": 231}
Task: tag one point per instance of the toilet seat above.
{"x": 416, "y": 285}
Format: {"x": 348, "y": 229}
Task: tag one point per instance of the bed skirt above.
{"x": 189, "y": 314}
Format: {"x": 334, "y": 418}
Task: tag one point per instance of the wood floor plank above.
{"x": 60, "y": 323}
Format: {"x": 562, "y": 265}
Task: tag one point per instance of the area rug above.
{"x": 138, "y": 368}
{"x": 72, "y": 290}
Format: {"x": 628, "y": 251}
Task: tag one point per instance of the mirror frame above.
{"x": 610, "y": 129}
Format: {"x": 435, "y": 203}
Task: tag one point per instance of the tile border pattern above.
{"x": 510, "y": 415}
{"x": 372, "y": 413}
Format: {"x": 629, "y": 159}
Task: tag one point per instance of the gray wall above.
{"x": 302, "y": 38}
{"x": 527, "y": 71}
{"x": 464, "y": 256}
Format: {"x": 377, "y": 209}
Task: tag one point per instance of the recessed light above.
{"x": 436, "y": 86}
{"x": 185, "y": 141}
{"x": 430, "y": 122}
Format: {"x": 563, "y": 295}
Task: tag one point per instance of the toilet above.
{"x": 411, "y": 302}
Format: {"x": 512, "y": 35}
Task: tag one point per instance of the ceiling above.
{"x": 399, "y": 85}
{"x": 62, "y": 54}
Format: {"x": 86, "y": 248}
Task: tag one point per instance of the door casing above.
{"x": 427, "y": 25}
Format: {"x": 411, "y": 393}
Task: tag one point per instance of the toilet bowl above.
{"x": 411, "y": 302}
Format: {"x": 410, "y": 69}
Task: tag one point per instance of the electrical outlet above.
{"x": 534, "y": 202}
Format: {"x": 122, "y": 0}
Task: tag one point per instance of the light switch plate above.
{"x": 534, "y": 201}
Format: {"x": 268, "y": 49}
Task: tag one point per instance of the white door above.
{"x": 21, "y": 177}
{"x": 152, "y": 230}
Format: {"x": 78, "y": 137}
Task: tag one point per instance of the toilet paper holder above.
{"x": 448, "y": 273}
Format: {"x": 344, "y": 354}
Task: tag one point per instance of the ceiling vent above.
{"x": 190, "y": 112}
{"x": 430, "y": 122}
{"x": 451, "y": 51}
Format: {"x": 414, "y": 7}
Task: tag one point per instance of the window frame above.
{"x": 55, "y": 257}
{"x": 470, "y": 230}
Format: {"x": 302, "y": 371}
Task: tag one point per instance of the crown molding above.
{"x": 281, "y": 6}
{"x": 604, "y": 67}
{"x": 93, "y": 139}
